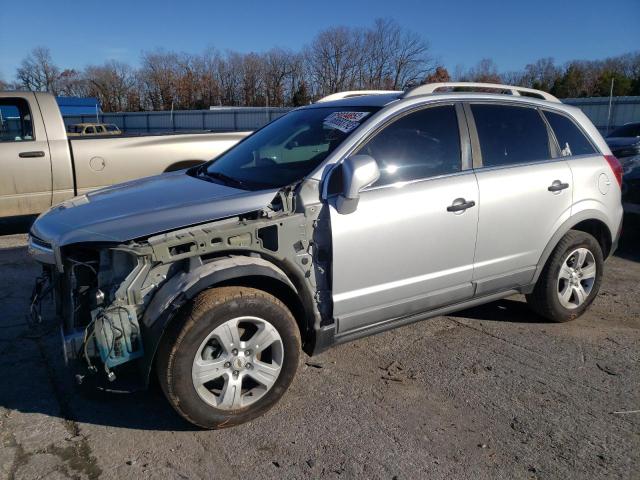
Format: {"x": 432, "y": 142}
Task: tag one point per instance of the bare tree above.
{"x": 253, "y": 87}
{"x": 37, "y": 72}
{"x": 157, "y": 76}
{"x": 485, "y": 71}
{"x": 383, "y": 56}
{"x": 333, "y": 59}
{"x": 278, "y": 66}
{"x": 114, "y": 84}
{"x": 71, "y": 83}
{"x": 410, "y": 59}
{"x": 229, "y": 72}
{"x": 541, "y": 74}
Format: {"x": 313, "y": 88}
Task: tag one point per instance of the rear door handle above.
{"x": 557, "y": 185}
{"x": 31, "y": 154}
{"x": 460, "y": 204}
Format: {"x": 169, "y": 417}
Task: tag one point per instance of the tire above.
{"x": 206, "y": 366}
{"x": 565, "y": 289}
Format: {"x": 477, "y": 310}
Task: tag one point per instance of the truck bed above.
{"x": 103, "y": 161}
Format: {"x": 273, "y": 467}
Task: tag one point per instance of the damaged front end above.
{"x": 115, "y": 300}
{"x": 97, "y": 292}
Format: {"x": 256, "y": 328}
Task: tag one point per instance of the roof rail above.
{"x": 513, "y": 90}
{"x": 355, "y": 93}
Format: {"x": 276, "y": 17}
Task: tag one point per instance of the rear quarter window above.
{"x": 570, "y": 138}
{"x": 510, "y": 135}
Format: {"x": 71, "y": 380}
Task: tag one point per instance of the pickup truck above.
{"x": 41, "y": 166}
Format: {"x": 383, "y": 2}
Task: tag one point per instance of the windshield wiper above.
{"x": 222, "y": 176}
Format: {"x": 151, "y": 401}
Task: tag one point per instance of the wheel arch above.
{"x": 592, "y": 222}
{"x": 241, "y": 271}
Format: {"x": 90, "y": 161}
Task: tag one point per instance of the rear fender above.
{"x": 561, "y": 232}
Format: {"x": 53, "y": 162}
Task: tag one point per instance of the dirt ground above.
{"x": 492, "y": 392}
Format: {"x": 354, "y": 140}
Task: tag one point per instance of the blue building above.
{"x": 79, "y": 105}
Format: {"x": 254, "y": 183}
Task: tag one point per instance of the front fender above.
{"x": 185, "y": 285}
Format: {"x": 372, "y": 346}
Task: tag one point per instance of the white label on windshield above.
{"x": 344, "y": 121}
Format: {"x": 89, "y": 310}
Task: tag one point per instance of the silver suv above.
{"x": 338, "y": 220}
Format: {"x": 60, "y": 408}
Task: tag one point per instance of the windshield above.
{"x": 632, "y": 130}
{"x": 286, "y": 150}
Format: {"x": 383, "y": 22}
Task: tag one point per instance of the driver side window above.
{"x": 418, "y": 145}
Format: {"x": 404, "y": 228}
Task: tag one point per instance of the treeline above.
{"x": 384, "y": 56}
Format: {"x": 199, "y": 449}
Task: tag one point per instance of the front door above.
{"x": 409, "y": 245}
{"x": 25, "y": 162}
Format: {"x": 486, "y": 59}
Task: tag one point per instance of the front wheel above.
{"x": 570, "y": 279}
{"x": 229, "y": 357}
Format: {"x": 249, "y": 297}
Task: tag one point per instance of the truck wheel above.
{"x": 570, "y": 279}
{"x": 229, "y": 357}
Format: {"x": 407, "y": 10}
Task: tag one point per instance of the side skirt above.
{"x": 326, "y": 339}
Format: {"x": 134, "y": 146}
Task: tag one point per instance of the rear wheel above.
{"x": 570, "y": 280}
{"x": 230, "y": 357}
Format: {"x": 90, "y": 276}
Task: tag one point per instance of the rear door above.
{"x": 25, "y": 162}
{"x": 404, "y": 250}
{"x": 525, "y": 192}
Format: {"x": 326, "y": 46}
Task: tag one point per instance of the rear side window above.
{"x": 15, "y": 120}
{"x": 419, "y": 145}
{"x": 510, "y": 135}
{"x": 570, "y": 138}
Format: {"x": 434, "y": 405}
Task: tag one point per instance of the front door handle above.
{"x": 460, "y": 204}
{"x": 31, "y": 154}
{"x": 557, "y": 185}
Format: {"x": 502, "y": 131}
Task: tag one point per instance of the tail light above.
{"x": 616, "y": 167}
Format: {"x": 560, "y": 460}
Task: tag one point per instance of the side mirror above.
{"x": 358, "y": 172}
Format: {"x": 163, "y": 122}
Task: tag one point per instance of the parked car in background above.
{"x": 93, "y": 129}
{"x": 338, "y": 220}
{"x": 624, "y": 143}
{"x": 42, "y": 165}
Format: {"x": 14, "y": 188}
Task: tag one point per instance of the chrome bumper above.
{"x": 41, "y": 251}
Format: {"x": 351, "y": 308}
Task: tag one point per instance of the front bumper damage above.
{"x": 97, "y": 314}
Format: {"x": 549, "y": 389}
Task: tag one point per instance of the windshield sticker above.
{"x": 344, "y": 121}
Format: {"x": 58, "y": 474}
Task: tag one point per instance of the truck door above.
{"x": 25, "y": 161}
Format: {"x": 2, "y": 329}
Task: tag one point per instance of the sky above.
{"x": 460, "y": 32}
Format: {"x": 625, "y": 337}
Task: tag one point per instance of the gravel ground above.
{"x": 492, "y": 392}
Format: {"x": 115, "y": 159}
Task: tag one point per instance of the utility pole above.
{"x": 610, "y": 99}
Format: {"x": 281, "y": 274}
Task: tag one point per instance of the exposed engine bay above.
{"x": 114, "y": 301}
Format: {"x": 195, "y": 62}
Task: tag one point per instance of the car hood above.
{"x": 144, "y": 207}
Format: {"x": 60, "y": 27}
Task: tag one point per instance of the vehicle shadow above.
{"x": 34, "y": 378}
{"x": 504, "y": 310}
{"x": 13, "y": 225}
{"x": 50, "y": 389}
